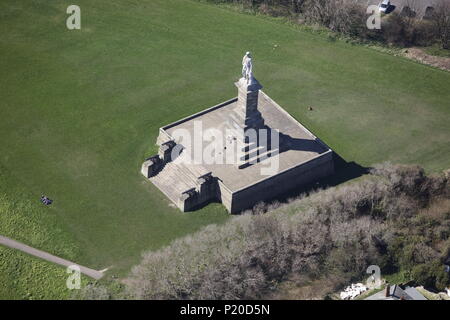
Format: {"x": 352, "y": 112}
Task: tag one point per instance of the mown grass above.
{"x": 80, "y": 110}
{"x": 24, "y": 219}
{"x": 26, "y": 277}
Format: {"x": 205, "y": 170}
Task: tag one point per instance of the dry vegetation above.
{"x": 403, "y": 28}
{"x": 397, "y": 218}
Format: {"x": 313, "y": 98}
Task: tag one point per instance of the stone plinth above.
{"x": 296, "y": 156}
{"x": 247, "y": 115}
{"x": 165, "y": 150}
{"x": 247, "y": 120}
{"x": 151, "y": 166}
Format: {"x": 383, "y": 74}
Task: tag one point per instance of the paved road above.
{"x": 49, "y": 257}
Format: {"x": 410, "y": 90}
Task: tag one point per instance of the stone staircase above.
{"x": 249, "y": 152}
{"x": 175, "y": 178}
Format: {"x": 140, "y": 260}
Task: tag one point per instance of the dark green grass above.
{"x": 80, "y": 110}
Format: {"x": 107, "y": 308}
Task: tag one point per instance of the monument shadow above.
{"x": 344, "y": 171}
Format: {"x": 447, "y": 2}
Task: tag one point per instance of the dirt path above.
{"x": 419, "y": 55}
{"x": 47, "y": 256}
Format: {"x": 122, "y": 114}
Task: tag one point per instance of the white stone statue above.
{"x": 247, "y": 68}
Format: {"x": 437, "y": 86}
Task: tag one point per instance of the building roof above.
{"x": 414, "y": 293}
{"x": 397, "y": 293}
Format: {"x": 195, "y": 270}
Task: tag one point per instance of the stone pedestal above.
{"x": 165, "y": 150}
{"x": 247, "y": 120}
{"x": 151, "y": 166}
{"x": 247, "y": 112}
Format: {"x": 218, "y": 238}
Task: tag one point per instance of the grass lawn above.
{"x": 80, "y": 110}
{"x": 25, "y": 277}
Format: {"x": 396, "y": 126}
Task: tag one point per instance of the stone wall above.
{"x": 151, "y": 166}
{"x": 205, "y": 192}
{"x": 276, "y": 185}
{"x": 225, "y": 195}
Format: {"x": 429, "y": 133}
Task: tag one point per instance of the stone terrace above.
{"x": 303, "y": 145}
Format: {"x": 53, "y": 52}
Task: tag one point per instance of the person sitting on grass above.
{"x": 46, "y": 200}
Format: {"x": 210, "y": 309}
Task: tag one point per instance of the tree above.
{"x": 441, "y": 21}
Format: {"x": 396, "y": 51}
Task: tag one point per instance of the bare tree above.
{"x": 411, "y": 16}
{"x": 346, "y": 16}
{"x": 413, "y": 9}
{"x": 441, "y": 20}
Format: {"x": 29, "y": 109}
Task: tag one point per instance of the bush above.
{"x": 337, "y": 232}
{"x": 412, "y": 181}
{"x": 431, "y": 275}
{"x": 349, "y": 17}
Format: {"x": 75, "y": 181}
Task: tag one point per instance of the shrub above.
{"x": 431, "y": 275}
{"x": 337, "y": 232}
{"x": 349, "y": 17}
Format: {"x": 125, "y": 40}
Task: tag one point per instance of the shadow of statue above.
{"x": 344, "y": 171}
{"x": 263, "y": 146}
{"x": 288, "y": 143}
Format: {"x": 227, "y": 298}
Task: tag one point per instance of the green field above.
{"x": 80, "y": 110}
{"x": 25, "y": 277}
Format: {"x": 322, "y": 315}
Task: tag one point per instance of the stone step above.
{"x": 173, "y": 181}
{"x": 257, "y": 157}
{"x": 250, "y": 151}
{"x": 176, "y": 178}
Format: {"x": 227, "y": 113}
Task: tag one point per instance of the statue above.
{"x": 248, "y": 81}
{"x": 247, "y": 68}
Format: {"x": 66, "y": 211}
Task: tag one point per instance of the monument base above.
{"x": 300, "y": 158}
